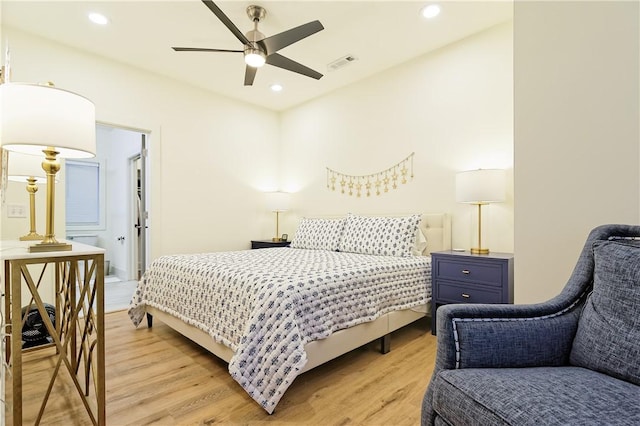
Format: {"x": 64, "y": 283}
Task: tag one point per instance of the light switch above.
{"x": 16, "y": 210}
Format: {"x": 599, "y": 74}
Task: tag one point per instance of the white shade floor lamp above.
{"x": 480, "y": 187}
{"x": 278, "y": 202}
{"x": 42, "y": 119}
{"x": 28, "y": 169}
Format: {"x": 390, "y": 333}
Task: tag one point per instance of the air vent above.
{"x": 341, "y": 62}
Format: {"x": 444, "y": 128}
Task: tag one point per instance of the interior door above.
{"x": 140, "y": 170}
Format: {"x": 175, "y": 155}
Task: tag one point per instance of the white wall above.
{"x": 453, "y": 108}
{"x": 210, "y": 156}
{"x": 577, "y": 139}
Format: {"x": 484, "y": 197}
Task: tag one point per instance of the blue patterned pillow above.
{"x": 608, "y": 336}
{"x": 386, "y": 236}
{"x": 318, "y": 234}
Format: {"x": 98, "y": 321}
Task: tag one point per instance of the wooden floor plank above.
{"x": 157, "y": 377}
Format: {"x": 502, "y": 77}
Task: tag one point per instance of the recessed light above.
{"x": 276, "y": 87}
{"x": 430, "y": 11}
{"x": 98, "y": 18}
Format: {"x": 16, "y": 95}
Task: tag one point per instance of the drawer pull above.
{"x": 465, "y": 295}
{"x": 466, "y": 271}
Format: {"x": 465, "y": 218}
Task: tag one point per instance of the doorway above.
{"x": 118, "y": 216}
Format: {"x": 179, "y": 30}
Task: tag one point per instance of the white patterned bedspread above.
{"x": 266, "y": 304}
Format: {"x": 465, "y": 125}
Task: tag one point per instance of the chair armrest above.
{"x": 499, "y": 336}
{"x": 493, "y": 336}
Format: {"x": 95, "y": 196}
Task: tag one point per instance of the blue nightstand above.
{"x": 462, "y": 277}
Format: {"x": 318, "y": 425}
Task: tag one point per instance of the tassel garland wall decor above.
{"x": 379, "y": 182}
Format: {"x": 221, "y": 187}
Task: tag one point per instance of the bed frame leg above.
{"x": 385, "y": 344}
{"x": 149, "y": 320}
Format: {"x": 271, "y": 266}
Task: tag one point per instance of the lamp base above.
{"x": 476, "y": 250}
{"x": 47, "y": 247}
{"x": 277, "y": 240}
{"x": 32, "y": 236}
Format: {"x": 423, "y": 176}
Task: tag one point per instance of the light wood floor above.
{"x": 155, "y": 376}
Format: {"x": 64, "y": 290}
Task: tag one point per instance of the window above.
{"x": 85, "y": 194}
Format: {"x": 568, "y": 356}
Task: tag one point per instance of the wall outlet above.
{"x": 16, "y": 210}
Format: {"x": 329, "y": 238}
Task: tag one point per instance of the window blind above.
{"x": 82, "y": 193}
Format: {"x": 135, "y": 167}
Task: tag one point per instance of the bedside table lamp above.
{"x": 38, "y": 119}
{"x": 278, "y": 202}
{"x": 480, "y": 187}
{"x": 28, "y": 169}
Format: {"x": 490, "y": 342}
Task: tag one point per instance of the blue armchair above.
{"x": 573, "y": 360}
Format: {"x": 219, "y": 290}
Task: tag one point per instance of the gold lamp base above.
{"x": 476, "y": 250}
{"x": 277, "y": 239}
{"x": 479, "y": 249}
{"x": 32, "y": 236}
{"x": 49, "y": 243}
{"x": 32, "y": 188}
{"x": 47, "y": 247}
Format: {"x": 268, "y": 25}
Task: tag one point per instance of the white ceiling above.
{"x": 381, "y": 34}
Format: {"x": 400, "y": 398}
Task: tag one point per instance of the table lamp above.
{"x": 42, "y": 119}
{"x": 278, "y": 202}
{"x": 480, "y": 187}
{"x": 28, "y": 169}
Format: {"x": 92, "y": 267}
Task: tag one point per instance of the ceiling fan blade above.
{"x": 202, "y": 49}
{"x": 226, "y": 21}
{"x": 280, "y": 61}
{"x": 249, "y": 75}
{"x": 276, "y": 42}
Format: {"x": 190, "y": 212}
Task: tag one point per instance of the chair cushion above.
{"x": 608, "y": 335}
{"x": 534, "y": 396}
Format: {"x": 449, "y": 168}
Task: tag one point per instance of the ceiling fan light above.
{"x": 254, "y": 60}
{"x": 254, "y": 57}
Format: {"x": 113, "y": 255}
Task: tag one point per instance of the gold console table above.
{"x": 78, "y": 332}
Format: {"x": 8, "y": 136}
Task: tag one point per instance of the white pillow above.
{"x": 419, "y": 243}
{"x": 318, "y": 234}
{"x": 386, "y": 236}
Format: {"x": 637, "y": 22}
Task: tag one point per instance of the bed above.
{"x": 275, "y": 313}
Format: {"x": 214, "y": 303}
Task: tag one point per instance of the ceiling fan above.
{"x": 259, "y": 50}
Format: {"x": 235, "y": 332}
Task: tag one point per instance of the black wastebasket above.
{"x": 34, "y": 332}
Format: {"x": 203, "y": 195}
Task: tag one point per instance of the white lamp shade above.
{"x": 23, "y": 166}
{"x": 480, "y": 186}
{"x": 278, "y": 201}
{"x": 34, "y": 117}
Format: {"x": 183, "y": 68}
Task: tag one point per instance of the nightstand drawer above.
{"x": 456, "y": 293}
{"x": 480, "y": 273}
